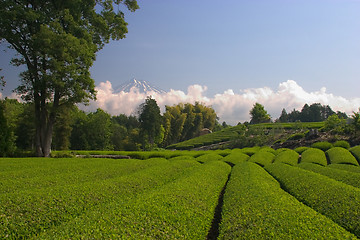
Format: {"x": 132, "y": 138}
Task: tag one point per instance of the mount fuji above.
{"x": 141, "y": 85}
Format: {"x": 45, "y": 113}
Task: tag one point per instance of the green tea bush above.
{"x": 255, "y": 207}
{"x": 181, "y": 209}
{"x": 314, "y": 155}
{"x": 184, "y": 157}
{"x": 209, "y": 157}
{"x": 250, "y": 150}
{"x": 268, "y": 149}
{"x": 33, "y": 208}
{"x": 235, "y": 158}
{"x": 288, "y": 156}
{"x": 262, "y": 158}
{"x": 336, "y": 200}
{"x": 300, "y": 150}
{"x": 296, "y": 136}
{"x": 341, "y": 155}
{"x": 346, "y": 177}
{"x": 346, "y": 167}
{"x": 322, "y": 145}
{"x": 356, "y": 152}
{"x": 342, "y": 143}
{"x": 280, "y": 150}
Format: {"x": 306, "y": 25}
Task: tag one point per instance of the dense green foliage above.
{"x": 336, "y": 200}
{"x": 90, "y": 197}
{"x": 185, "y": 121}
{"x": 29, "y": 209}
{"x": 313, "y": 113}
{"x": 7, "y": 139}
{"x": 346, "y": 167}
{"x": 344, "y": 176}
{"x": 262, "y": 157}
{"x": 236, "y": 156}
{"x": 341, "y": 155}
{"x": 322, "y": 145}
{"x": 356, "y": 152}
{"x": 342, "y": 143}
{"x": 151, "y": 130}
{"x": 259, "y": 114}
{"x": 314, "y": 155}
{"x": 255, "y": 207}
{"x": 57, "y": 43}
{"x": 288, "y": 156}
{"x": 174, "y": 194}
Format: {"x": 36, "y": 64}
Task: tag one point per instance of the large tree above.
{"x": 57, "y": 42}
{"x": 259, "y": 114}
{"x": 150, "y": 122}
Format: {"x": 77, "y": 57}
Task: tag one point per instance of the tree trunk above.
{"x": 44, "y": 127}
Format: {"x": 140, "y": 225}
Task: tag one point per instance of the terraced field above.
{"x": 252, "y": 193}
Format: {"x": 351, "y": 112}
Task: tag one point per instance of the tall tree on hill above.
{"x": 259, "y": 114}
{"x": 150, "y": 122}
{"x": 57, "y": 42}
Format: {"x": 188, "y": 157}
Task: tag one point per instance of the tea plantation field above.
{"x": 250, "y": 193}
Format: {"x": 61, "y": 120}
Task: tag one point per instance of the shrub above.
{"x": 314, "y": 155}
{"x": 280, "y": 150}
{"x": 209, "y": 157}
{"x": 181, "y": 209}
{"x": 346, "y": 177}
{"x": 336, "y": 200}
{"x": 235, "y": 158}
{"x": 56, "y": 191}
{"x": 346, "y": 167}
{"x": 300, "y": 150}
{"x": 296, "y": 136}
{"x": 250, "y": 150}
{"x": 342, "y": 143}
{"x": 288, "y": 156}
{"x": 356, "y": 152}
{"x": 185, "y": 157}
{"x": 262, "y": 158}
{"x": 322, "y": 145}
{"x": 341, "y": 155}
{"x": 255, "y": 207}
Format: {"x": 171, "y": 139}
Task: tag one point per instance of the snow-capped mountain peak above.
{"x": 141, "y": 85}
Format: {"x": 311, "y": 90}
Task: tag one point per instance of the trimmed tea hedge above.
{"x": 182, "y": 209}
{"x": 235, "y": 157}
{"x": 255, "y": 207}
{"x": 341, "y": 155}
{"x": 29, "y": 212}
{"x": 356, "y": 152}
{"x": 288, "y": 156}
{"x": 346, "y": 177}
{"x": 314, "y": 155}
{"x": 349, "y": 168}
{"x": 342, "y": 143}
{"x": 209, "y": 157}
{"x": 262, "y": 158}
{"x": 300, "y": 150}
{"x": 322, "y": 145}
{"x": 336, "y": 200}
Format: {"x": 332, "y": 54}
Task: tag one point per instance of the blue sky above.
{"x": 234, "y": 44}
{"x": 239, "y": 44}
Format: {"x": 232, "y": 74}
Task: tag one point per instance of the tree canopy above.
{"x": 150, "y": 122}
{"x": 259, "y": 114}
{"x": 57, "y": 42}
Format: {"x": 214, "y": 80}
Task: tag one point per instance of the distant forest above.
{"x": 78, "y": 130}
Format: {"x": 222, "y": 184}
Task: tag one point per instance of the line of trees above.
{"x": 98, "y": 130}
{"x": 313, "y": 113}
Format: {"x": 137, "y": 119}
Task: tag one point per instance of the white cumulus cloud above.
{"x": 230, "y": 106}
